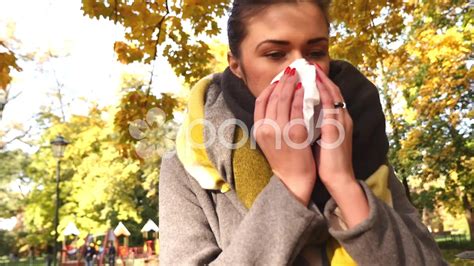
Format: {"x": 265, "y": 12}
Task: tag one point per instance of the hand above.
{"x": 284, "y": 142}
{"x": 334, "y": 150}
{"x": 333, "y": 154}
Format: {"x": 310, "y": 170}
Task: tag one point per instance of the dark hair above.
{"x": 243, "y": 9}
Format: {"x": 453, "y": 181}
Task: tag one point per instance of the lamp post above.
{"x": 59, "y": 145}
{"x": 3, "y": 101}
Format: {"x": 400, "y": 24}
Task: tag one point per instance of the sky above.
{"x": 85, "y": 68}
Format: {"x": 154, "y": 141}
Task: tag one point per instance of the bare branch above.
{"x": 19, "y": 138}
{"x": 60, "y": 95}
{"x": 13, "y": 97}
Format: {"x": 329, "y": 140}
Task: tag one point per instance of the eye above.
{"x": 275, "y": 55}
{"x": 317, "y": 54}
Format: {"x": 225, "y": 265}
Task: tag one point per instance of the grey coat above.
{"x": 200, "y": 227}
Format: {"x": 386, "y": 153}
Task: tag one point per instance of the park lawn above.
{"x": 22, "y": 262}
{"x": 450, "y": 256}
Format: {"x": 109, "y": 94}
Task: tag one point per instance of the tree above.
{"x": 14, "y": 185}
{"x": 436, "y": 83}
{"x": 10, "y": 55}
{"x": 99, "y": 187}
{"x": 418, "y": 53}
{"x": 8, "y": 243}
{"x": 150, "y": 24}
{"x": 12, "y": 169}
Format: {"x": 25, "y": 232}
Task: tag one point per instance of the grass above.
{"x": 452, "y": 245}
{"x": 450, "y": 256}
{"x": 22, "y": 262}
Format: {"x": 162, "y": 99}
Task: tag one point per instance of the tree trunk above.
{"x": 468, "y": 211}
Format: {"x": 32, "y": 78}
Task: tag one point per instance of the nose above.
{"x": 296, "y": 55}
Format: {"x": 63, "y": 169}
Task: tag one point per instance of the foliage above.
{"x": 219, "y": 56}
{"x": 418, "y": 53}
{"x": 150, "y": 24}
{"x": 8, "y": 61}
{"x": 99, "y": 187}
{"x": 8, "y": 58}
{"x": 12, "y": 169}
{"x": 435, "y": 149}
{"x": 8, "y": 64}
{"x": 363, "y": 30}
{"x": 134, "y": 105}
{"x": 8, "y": 243}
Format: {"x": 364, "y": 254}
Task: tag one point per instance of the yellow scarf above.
{"x": 190, "y": 138}
{"x": 247, "y": 163}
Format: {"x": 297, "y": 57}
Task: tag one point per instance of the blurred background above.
{"x": 93, "y": 91}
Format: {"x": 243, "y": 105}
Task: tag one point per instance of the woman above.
{"x": 227, "y": 204}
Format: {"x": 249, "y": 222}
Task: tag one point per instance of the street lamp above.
{"x": 3, "y": 101}
{"x": 59, "y": 146}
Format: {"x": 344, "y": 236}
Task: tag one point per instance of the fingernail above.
{"x": 293, "y": 71}
{"x": 287, "y": 70}
{"x": 319, "y": 66}
{"x": 298, "y": 86}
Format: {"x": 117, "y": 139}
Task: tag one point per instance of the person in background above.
{"x": 90, "y": 254}
{"x": 49, "y": 255}
{"x": 111, "y": 254}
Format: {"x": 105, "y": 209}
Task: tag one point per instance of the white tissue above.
{"x": 311, "y": 100}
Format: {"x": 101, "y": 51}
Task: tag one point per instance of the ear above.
{"x": 235, "y": 65}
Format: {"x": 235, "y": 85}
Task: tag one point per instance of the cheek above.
{"x": 259, "y": 75}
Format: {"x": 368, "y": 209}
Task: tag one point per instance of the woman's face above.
{"x": 276, "y": 37}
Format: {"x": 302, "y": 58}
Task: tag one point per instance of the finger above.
{"x": 297, "y": 103}
{"x": 272, "y": 106}
{"x": 262, "y": 100}
{"x": 329, "y": 132}
{"x": 327, "y": 100}
{"x": 333, "y": 96}
{"x": 334, "y": 91}
{"x": 332, "y": 88}
{"x": 286, "y": 98}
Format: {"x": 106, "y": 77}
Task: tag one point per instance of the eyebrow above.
{"x": 280, "y": 42}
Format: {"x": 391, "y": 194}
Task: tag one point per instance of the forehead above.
{"x": 287, "y": 21}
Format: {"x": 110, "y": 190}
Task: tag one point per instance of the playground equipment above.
{"x": 70, "y": 250}
{"x": 72, "y": 253}
{"x": 121, "y": 232}
{"x": 109, "y": 237}
{"x": 150, "y": 227}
